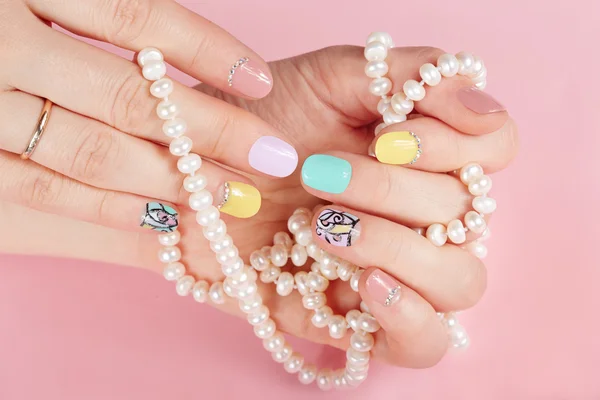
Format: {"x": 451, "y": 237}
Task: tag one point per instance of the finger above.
{"x": 447, "y": 277}
{"x": 430, "y": 145}
{"x": 189, "y": 42}
{"x": 413, "y": 335}
{"x": 112, "y": 90}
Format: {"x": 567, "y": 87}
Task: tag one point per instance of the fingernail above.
{"x": 384, "y": 289}
{"x": 479, "y": 101}
{"x": 160, "y": 217}
{"x": 326, "y": 173}
{"x": 239, "y": 200}
{"x": 337, "y": 227}
{"x": 273, "y": 156}
{"x": 398, "y": 148}
{"x": 250, "y": 78}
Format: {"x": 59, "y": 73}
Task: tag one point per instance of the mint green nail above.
{"x": 326, "y": 173}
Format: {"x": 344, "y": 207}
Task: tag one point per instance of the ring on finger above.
{"x": 39, "y": 130}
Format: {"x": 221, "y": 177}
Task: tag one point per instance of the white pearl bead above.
{"x": 481, "y": 85}
{"x": 200, "y": 291}
{"x": 355, "y": 378}
{"x": 321, "y": 317}
{"x": 227, "y": 288}
{"x": 303, "y": 210}
{"x": 368, "y": 323}
{"x": 279, "y": 255}
{"x": 376, "y": 69}
{"x": 339, "y": 381}
{"x": 436, "y": 234}
{"x": 357, "y": 357}
{"x": 228, "y": 255}
{"x": 216, "y": 293}
{"x": 283, "y": 354}
{"x": 208, "y": 216}
{"x": 380, "y": 86}
{"x": 356, "y": 369}
{"x": 391, "y": 117}
{"x": 484, "y": 205}
{"x": 195, "y": 183}
{"x": 247, "y": 291}
{"x": 481, "y": 76}
{"x": 362, "y": 341}
{"x": 251, "y": 304}
{"x": 162, "y": 88}
{"x": 297, "y": 221}
{"x": 169, "y": 254}
{"x": 270, "y": 274}
{"x": 380, "y": 127}
{"x": 375, "y": 51}
{"x": 284, "y": 239}
{"x": 285, "y": 284}
{"x": 184, "y": 285}
{"x": 174, "y": 127}
{"x": 259, "y": 261}
{"x": 337, "y": 327}
{"x": 181, "y": 146}
{"x": 413, "y": 90}
{"x": 456, "y": 231}
{"x": 304, "y": 236}
{"x": 200, "y": 200}
{"x": 480, "y": 186}
{"x": 324, "y": 381}
{"x": 314, "y": 251}
{"x": 300, "y": 279}
{"x": 307, "y": 374}
{"x": 383, "y": 104}
{"x": 313, "y": 301}
{"x": 174, "y": 271}
{"x": 167, "y": 109}
{"x": 450, "y": 319}
{"x": 241, "y": 278}
{"x": 233, "y": 268}
{"x": 352, "y": 318}
{"x": 345, "y": 270}
{"x": 470, "y": 172}
{"x": 401, "y": 104}
{"x": 216, "y": 231}
{"x": 299, "y": 255}
{"x": 315, "y": 267}
{"x": 316, "y": 282}
{"x": 169, "y": 238}
{"x": 430, "y": 74}
{"x": 275, "y": 342}
{"x": 448, "y": 65}
{"x": 382, "y": 37}
{"x": 485, "y": 235}
{"x": 459, "y": 338}
{"x": 149, "y": 54}
{"x": 329, "y": 270}
{"x": 364, "y": 308}
{"x": 259, "y": 316}
{"x": 294, "y": 363}
{"x": 475, "y": 222}
{"x": 355, "y": 280}
{"x": 154, "y": 70}
{"x": 465, "y": 61}
{"x": 477, "y": 67}
{"x": 477, "y": 249}
{"x": 265, "y": 330}
{"x": 189, "y": 164}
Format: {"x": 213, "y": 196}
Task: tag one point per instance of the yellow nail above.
{"x": 240, "y": 200}
{"x": 398, "y": 148}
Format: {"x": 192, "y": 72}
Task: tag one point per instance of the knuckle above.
{"x": 204, "y": 45}
{"x": 127, "y": 20}
{"x": 96, "y": 151}
{"x": 130, "y": 108}
{"x": 43, "y": 189}
{"x": 387, "y": 185}
{"x": 217, "y": 144}
{"x": 397, "y": 249}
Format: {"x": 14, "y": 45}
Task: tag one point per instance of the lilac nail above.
{"x": 273, "y": 156}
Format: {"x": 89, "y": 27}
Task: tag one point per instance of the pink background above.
{"x": 76, "y": 330}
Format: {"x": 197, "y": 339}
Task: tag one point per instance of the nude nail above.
{"x": 250, "y": 78}
{"x": 384, "y": 289}
{"x": 478, "y": 101}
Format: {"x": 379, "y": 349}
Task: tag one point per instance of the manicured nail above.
{"x": 326, "y": 173}
{"x": 383, "y": 288}
{"x": 273, "y": 156}
{"x": 239, "y": 200}
{"x": 479, "y": 101}
{"x": 250, "y": 78}
{"x": 338, "y": 228}
{"x": 398, "y": 148}
{"x": 160, "y": 217}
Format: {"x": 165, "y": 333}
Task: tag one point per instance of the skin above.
{"x": 72, "y": 196}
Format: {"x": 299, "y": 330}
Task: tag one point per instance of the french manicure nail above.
{"x": 239, "y": 200}
{"x": 479, "y": 101}
{"x": 338, "y": 228}
{"x": 384, "y": 289}
{"x": 398, "y": 148}
{"x": 250, "y": 78}
{"x": 326, "y": 173}
{"x": 273, "y": 156}
{"x": 160, "y": 217}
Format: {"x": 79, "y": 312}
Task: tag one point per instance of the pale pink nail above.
{"x": 478, "y": 101}
{"x": 384, "y": 289}
{"x": 251, "y": 79}
{"x": 273, "y": 156}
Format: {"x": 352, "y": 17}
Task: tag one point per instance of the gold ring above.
{"x": 39, "y": 130}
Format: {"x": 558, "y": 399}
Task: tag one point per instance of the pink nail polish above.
{"x": 250, "y": 78}
{"x": 383, "y": 288}
{"x": 273, "y": 156}
{"x": 478, "y": 101}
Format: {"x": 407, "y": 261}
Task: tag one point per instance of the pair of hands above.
{"x": 101, "y": 157}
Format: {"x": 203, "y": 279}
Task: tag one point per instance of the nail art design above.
{"x": 250, "y": 78}
{"x": 234, "y": 68}
{"x": 160, "y": 217}
{"x": 338, "y": 228}
{"x": 239, "y": 200}
{"x": 384, "y": 289}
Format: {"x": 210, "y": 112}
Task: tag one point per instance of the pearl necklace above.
{"x": 240, "y": 280}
